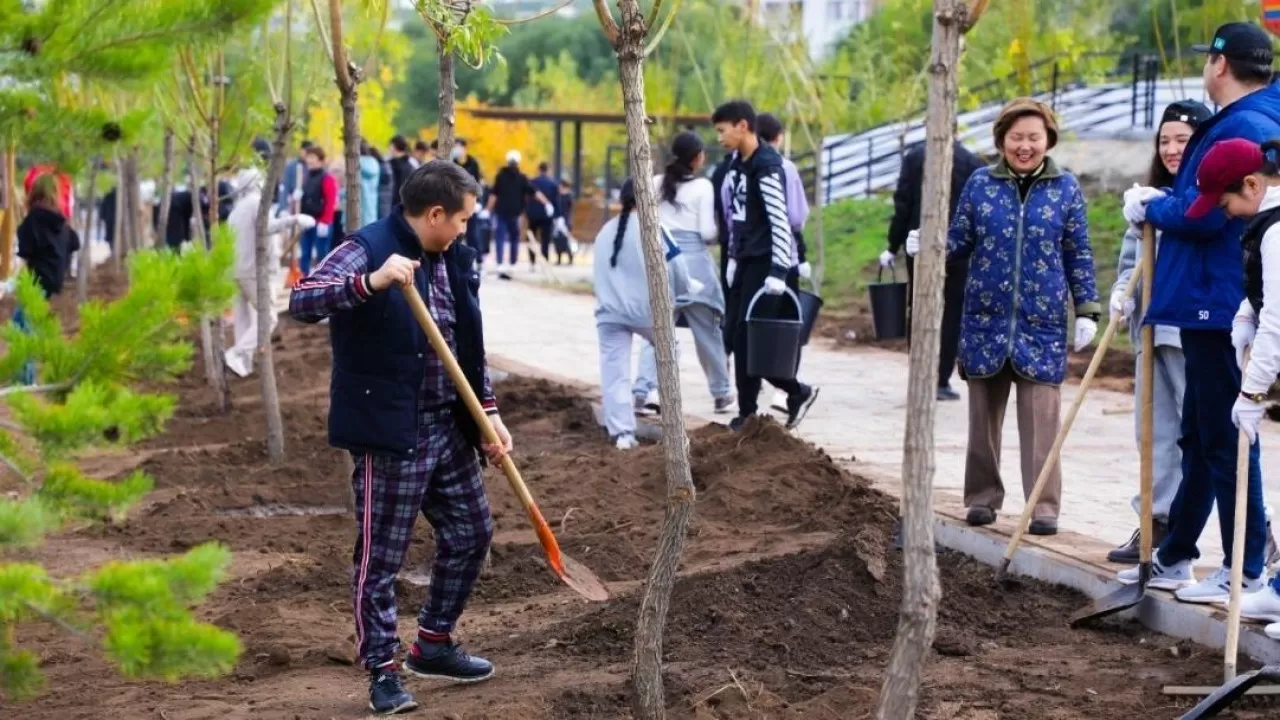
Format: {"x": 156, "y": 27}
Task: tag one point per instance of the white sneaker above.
{"x": 779, "y": 401}
{"x": 1261, "y": 606}
{"x": 1272, "y": 631}
{"x": 653, "y": 403}
{"x": 1178, "y": 575}
{"x": 1216, "y": 588}
{"x": 642, "y": 408}
{"x": 626, "y": 442}
{"x": 235, "y": 364}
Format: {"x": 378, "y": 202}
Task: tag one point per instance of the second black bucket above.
{"x": 773, "y": 344}
{"x": 889, "y": 307}
{"x": 810, "y": 306}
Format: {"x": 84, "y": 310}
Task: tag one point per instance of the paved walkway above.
{"x": 859, "y": 419}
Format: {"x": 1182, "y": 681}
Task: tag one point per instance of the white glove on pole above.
{"x": 774, "y": 286}
{"x": 805, "y": 270}
{"x": 886, "y": 259}
{"x": 1247, "y": 415}
{"x": 322, "y": 230}
{"x": 305, "y": 222}
{"x": 1085, "y": 330}
{"x": 297, "y": 195}
{"x": 913, "y": 242}
{"x": 730, "y": 271}
{"x": 1135, "y": 203}
{"x": 551, "y": 210}
{"x": 1243, "y": 329}
{"x": 1121, "y": 306}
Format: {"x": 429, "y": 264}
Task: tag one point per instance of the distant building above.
{"x": 823, "y": 22}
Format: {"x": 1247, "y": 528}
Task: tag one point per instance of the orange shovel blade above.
{"x": 577, "y": 576}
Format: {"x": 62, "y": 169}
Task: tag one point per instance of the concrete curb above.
{"x": 1158, "y": 611}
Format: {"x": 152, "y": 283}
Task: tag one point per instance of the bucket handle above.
{"x": 893, "y": 274}
{"x": 760, "y": 292}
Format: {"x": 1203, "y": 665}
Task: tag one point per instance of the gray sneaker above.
{"x": 726, "y": 404}
{"x": 1173, "y": 577}
{"x": 1216, "y": 588}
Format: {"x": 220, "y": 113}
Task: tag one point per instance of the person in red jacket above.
{"x": 318, "y": 197}
{"x": 66, "y": 194}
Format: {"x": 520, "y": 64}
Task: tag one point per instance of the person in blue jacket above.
{"x": 1198, "y": 288}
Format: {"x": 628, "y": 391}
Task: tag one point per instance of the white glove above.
{"x": 886, "y": 259}
{"x": 730, "y": 271}
{"x": 305, "y": 222}
{"x": 774, "y": 286}
{"x": 696, "y": 286}
{"x": 913, "y": 242}
{"x": 1135, "y": 203}
{"x": 1085, "y": 330}
{"x": 1243, "y": 330}
{"x": 483, "y": 214}
{"x": 1122, "y": 306}
{"x": 561, "y": 226}
{"x": 1247, "y": 415}
{"x": 297, "y": 195}
{"x": 322, "y": 230}
{"x": 805, "y": 270}
{"x": 551, "y": 209}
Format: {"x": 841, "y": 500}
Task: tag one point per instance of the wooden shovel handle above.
{"x": 1146, "y": 399}
{"x": 1231, "y": 648}
{"x": 481, "y": 418}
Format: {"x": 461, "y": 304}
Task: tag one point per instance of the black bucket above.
{"x": 773, "y": 344}
{"x": 889, "y": 308}
{"x": 810, "y": 306}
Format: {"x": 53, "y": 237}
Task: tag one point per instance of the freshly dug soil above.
{"x": 786, "y": 606}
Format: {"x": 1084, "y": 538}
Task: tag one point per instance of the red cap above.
{"x": 1226, "y": 163}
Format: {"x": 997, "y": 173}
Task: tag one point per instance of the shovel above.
{"x": 1130, "y": 595}
{"x": 1052, "y": 459}
{"x": 1222, "y": 698}
{"x": 1237, "y": 549}
{"x": 574, "y": 574}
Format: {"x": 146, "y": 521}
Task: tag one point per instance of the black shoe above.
{"x": 738, "y": 423}
{"x": 979, "y": 516}
{"x": 798, "y": 405}
{"x": 446, "y": 661}
{"x": 1130, "y": 553}
{"x": 386, "y": 695}
{"x": 1044, "y": 527}
{"x": 946, "y": 394}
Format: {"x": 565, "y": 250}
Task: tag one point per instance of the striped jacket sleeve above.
{"x": 773, "y": 190}
{"x": 340, "y": 282}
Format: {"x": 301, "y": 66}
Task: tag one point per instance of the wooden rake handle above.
{"x": 545, "y": 536}
{"x": 1230, "y": 650}
{"x": 1052, "y": 459}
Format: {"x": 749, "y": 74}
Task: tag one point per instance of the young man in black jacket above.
{"x": 906, "y": 219}
{"x": 762, "y": 249}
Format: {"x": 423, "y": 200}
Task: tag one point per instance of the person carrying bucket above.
{"x": 762, "y": 256}
{"x": 414, "y": 444}
{"x": 1021, "y": 226}
{"x": 623, "y": 311}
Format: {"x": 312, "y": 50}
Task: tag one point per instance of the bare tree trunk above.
{"x": 217, "y": 336}
{"x": 648, "y": 702}
{"x": 136, "y": 224}
{"x": 348, "y": 87}
{"x": 446, "y": 95}
{"x": 921, "y": 592}
{"x": 166, "y": 188}
{"x": 263, "y": 265}
{"x": 121, "y": 188}
{"x": 84, "y": 264}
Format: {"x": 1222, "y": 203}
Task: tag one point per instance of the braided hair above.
{"x": 685, "y": 150}
{"x": 628, "y": 197}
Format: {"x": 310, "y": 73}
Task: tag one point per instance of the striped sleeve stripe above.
{"x": 776, "y": 205}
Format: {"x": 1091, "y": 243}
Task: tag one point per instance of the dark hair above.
{"x": 1254, "y": 70}
{"x": 685, "y": 148}
{"x": 543, "y": 167}
{"x": 439, "y": 183}
{"x": 768, "y": 127}
{"x": 305, "y": 144}
{"x": 628, "y": 197}
{"x": 1019, "y": 108}
{"x": 421, "y": 146}
{"x": 399, "y": 143}
{"x": 564, "y": 182}
{"x": 44, "y": 193}
{"x": 315, "y": 150}
{"x": 370, "y": 150}
{"x": 460, "y": 141}
{"x": 734, "y": 112}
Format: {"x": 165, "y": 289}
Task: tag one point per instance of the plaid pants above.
{"x": 445, "y": 483}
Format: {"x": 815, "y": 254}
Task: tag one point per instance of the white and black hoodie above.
{"x": 758, "y": 207}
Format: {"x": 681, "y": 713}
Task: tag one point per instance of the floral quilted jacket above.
{"x": 1024, "y": 258}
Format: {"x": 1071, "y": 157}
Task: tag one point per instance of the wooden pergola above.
{"x": 577, "y": 119}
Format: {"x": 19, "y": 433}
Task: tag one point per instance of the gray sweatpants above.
{"x": 708, "y": 339}
{"x": 615, "y": 375}
{"x": 1170, "y": 384}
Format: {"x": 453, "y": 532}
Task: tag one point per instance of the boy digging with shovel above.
{"x": 394, "y": 408}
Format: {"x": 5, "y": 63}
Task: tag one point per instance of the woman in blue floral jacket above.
{"x": 1022, "y": 225}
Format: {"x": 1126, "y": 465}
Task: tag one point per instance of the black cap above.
{"x": 1240, "y": 40}
{"x": 262, "y": 147}
{"x": 1186, "y": 111}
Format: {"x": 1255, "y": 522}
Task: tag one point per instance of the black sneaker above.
{"x": 386, "y": 695}
{"x": 1044, "y": 527}
{"x": 979, "y": 516}
{"x": 738, "y": 423}
{"x": 946, "y": 394}
{"x": 1130, "y": 553}
{"x": 446, "y": 661}
{"x": 798, "y": 406}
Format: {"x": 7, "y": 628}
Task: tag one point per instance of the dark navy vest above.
{"x": 379, "y": 350}
{"x": 1252, "y": 246}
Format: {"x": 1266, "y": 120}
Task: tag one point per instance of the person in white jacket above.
{"x": 623, "y": 311}
{"x": 1244, "y": 180}
{"x": 243, "y": 221}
